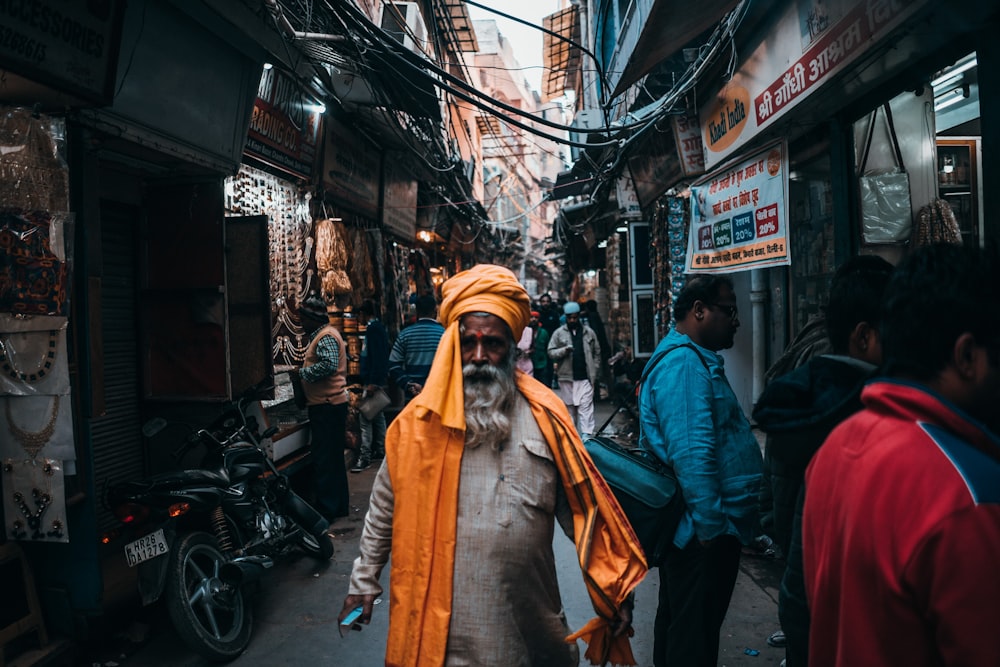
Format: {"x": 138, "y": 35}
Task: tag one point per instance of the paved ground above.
{"x": 298, "y": 605}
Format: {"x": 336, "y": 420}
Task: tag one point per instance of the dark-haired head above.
{"x": 935, "y": 296}
{"x": 855, "y": 297}
{"x": 706, "y": 311}
{"x": 426, "y": 305}
{"x": 702, "y": 287}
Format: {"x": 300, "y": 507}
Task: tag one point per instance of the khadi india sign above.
{"x": 802, "y": 49}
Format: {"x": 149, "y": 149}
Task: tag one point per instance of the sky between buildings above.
{"x": 526, "y": 42}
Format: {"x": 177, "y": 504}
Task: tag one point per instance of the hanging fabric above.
{"x": 936, "y": 223}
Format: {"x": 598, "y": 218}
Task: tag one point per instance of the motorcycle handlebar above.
{"x": 254, "y": 393}
{"x": 258, "y": 391}
{"x": 190, "y": 442}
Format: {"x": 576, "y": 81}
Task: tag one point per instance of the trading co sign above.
{"x": 739, "y": 215}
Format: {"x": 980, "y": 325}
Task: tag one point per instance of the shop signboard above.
{"x": 654, "y": 166}
{"x": 71, "y": 46}
{"x": 284, "y": 126}
{"x": 351, "y": 170}
{"x": 628, "y": 200}
{"x": 805, "y": 47}
{"x": 739, "y": 215}
{"x": 687, "y": 136}
{"x": 399, "y": 201}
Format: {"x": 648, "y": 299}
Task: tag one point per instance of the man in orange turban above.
{"x": 478, "y": 468}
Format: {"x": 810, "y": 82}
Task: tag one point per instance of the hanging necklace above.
{"x": 42, "y": 368}
{"x": 33, "y": 442}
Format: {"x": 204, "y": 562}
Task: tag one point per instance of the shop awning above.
{"x": 671, "y": 25}
{"x": 562, "y": 59}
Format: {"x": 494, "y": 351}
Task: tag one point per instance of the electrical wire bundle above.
{"x": 399, "y": 80}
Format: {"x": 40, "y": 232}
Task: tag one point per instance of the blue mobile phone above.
{"x": 353, "y": 616}
{"x": 350, "y": 621}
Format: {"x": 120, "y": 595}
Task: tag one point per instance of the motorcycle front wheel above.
{"x": 210, "y": 617}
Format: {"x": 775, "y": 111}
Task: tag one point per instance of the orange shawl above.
{"x": 424, "y": 454}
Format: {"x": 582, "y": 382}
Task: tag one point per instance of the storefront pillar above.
{"x": 758, "y": 304}
{"x": 988, "y": 54}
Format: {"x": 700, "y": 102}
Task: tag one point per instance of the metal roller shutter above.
{"x": 117, "y": 444}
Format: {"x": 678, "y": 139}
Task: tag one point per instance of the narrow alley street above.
{"x": 296, "y": 610}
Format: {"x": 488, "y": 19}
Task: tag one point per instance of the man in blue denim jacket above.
{"x": 692, "y": 421}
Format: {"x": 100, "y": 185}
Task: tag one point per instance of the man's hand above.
{"x": 621, "y": 624}
{"x": 351, "y": 602}
{"x": 414, "y": 388}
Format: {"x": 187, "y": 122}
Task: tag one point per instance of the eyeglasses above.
{"x": 732, "y": 311}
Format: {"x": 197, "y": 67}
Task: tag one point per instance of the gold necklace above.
{"x": 42, "y": 368}
{"x": 33, "y": 442}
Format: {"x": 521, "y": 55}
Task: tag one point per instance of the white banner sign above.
{"x": 739, "y": 215}
{"x": 806, "y": 45}
{"x": 687, "y": 136}
{"x": 628, "y": 200}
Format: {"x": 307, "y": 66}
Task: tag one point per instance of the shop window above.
{"x": 811, "y": 222}
{"x": 957, "y": 123}
{"x": 642, "y": 271}
{"x": 644, "y": 323}
{"x": 958, "y": 183}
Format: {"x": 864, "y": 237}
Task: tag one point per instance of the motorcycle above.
{"x": 201, "y": 536}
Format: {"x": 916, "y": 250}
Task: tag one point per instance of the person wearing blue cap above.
{"x": 574, "y": 346}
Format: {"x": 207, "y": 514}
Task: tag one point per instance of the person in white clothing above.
{"x": 525, "y": 348}
{"x": 574, "y": 346}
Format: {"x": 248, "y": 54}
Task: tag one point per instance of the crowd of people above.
{"x": 881, "y": 464}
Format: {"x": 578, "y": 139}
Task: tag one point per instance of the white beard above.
{"x": 489, "y": 402}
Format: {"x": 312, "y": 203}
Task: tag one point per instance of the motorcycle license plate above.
{"x": 146, "y": 548}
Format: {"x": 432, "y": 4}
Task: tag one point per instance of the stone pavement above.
{"x": 297, "y": 607}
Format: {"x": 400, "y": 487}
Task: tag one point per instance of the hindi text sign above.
{"x": 739, "y": 217}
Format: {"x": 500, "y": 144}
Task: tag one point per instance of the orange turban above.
{"x": 489, "y": 289}
{"x": 485, "y": 288}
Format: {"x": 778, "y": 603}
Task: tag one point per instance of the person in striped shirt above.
{"x": 414, "y": 349}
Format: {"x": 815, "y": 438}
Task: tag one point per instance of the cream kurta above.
{"x": 506, "y": 608}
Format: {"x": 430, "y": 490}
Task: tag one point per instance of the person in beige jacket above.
{"x": 574, "y": 348}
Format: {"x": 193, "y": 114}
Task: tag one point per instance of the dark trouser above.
{"x": 793, "y": 612}
{"x": 544, "y": 375}
{"x": 328, "y": 424}
{"x": 696, "y": 585}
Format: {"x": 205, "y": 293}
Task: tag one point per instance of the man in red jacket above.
{"x": 901, "y": 527}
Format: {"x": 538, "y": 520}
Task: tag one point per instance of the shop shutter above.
{"x": 117, "y": 445}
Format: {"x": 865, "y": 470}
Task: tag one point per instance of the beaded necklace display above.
{"x": 33, "y": 442}
{"x": 7, "y": 355}
{"x": 290, "y": 245}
